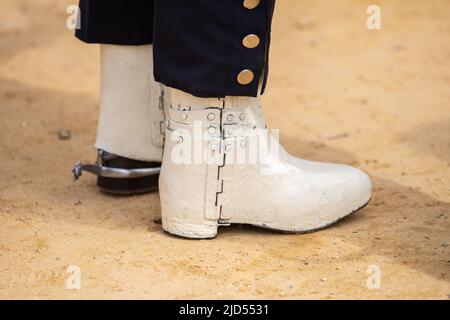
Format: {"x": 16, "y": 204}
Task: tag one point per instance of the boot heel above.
{"x": 182, "y": 215}
{"x": 188, "y": 181}
{"x": 204, "y": 230}
{"x": 182, "y": 194}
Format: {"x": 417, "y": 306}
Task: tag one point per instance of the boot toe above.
{"x": 356, "y": 188}
{"x": 324, "y": 197}
{"x": 318, "y": 199}
{"x": 350, "y": 191}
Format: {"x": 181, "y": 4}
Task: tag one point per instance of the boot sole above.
{"x": 318, "y": 228}
{"x": 127, "y": 187}
{"x": 203, "y": 231}
{"x": 128, "y": 192}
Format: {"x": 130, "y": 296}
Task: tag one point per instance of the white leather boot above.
{"x": 131, "y": 112}
{"x": 130, "y": 133}
{"x": 210, "y": 178}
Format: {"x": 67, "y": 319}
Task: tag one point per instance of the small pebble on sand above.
{"x": 64, "y": 134}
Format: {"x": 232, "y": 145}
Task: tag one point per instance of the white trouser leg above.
{"x": 221, "y": 166}
{"x": 130, "y": 104}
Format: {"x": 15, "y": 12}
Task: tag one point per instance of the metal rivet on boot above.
{"x": 242, "y": 116}
{"x": 230, "y": 117}
{"x": 211, "y": 130}
{"x": 180, "y": 139}
{"x": 211, "y": 116}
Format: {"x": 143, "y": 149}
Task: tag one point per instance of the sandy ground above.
{"x": 378, "y": 100}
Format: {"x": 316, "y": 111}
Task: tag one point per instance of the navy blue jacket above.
{"x": 198, "y": 44}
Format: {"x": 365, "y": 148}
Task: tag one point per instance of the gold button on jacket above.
{"x": 251, "y": 4}
{"x": 251, "y": 41}
{"x": 245, "y": 77}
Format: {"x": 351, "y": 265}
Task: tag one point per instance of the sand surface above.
{"x": 378, "y": 100}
